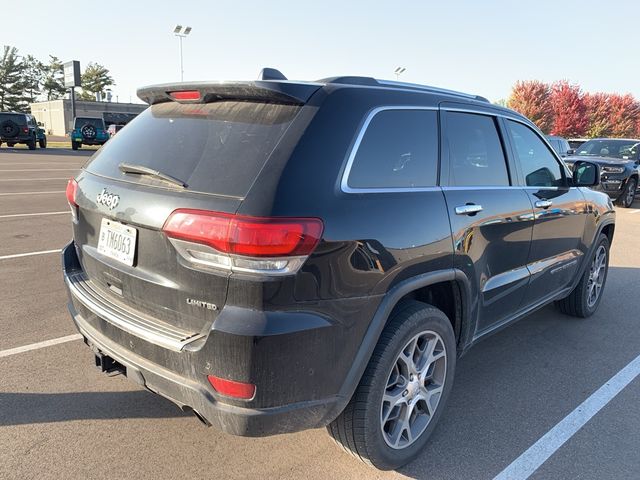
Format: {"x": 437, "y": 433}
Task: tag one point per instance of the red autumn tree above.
{"x": 531, "y": 98}
{"x": 569, "y": 110}
{"x": 599, "y": 114}
{"x": 625, "y": 115}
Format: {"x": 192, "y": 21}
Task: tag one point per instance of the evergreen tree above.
{"x": 33, "y": 78}
{"x": 11, "y": 81}
{"x": 54, "y": 79}
{"x": 95, "y": 79}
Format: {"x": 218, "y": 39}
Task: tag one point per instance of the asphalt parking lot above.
{"x": 61, "y": 418}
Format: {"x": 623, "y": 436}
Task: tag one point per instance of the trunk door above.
{"x": 217, "y": 150}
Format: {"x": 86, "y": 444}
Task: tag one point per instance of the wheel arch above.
{"x": 405, "y": 289}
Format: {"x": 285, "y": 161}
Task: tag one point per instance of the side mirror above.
{"x": 571, "y": 151}
{"x": 40, "y": 124}
{"x": 586, "y": 174}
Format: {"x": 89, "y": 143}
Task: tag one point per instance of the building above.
{"x": 56, "y": 117}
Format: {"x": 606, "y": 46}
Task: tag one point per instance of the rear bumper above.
{"x": 85, "y": 141}
{"x": 293, "y": 392}
{"x": 18, "y": 139}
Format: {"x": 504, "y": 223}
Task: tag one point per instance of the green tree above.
{"x": 54, "y": 79}
{"x": 33, "y": 77}
{"x": 95, "y": 79}
{"x": 11, "y": 82}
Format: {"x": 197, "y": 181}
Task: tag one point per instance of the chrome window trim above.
{"x": 344, "y": 186}
{"x": 344, "y": 182}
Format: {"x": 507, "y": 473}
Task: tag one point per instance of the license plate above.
{"x": 117, "y": 241}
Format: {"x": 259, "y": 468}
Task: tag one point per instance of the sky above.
{"x": 479, "y": 47}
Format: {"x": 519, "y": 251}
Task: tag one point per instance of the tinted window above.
{"x": 16, "y": 118}
{"x": 214, "y": 148}
{"x": 475, "y": 152}
{"x": 398, "y": 150}
{"x": 539, "y": 166}
{"x": 96, "y": 122}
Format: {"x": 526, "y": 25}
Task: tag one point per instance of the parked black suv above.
{"x": 20, "y": 128}
{"x": 619, "y": 159}
{"x": 289, "y": 255}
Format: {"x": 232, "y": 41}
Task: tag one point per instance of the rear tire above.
{"x": 581, "y": 301}
{"x": 393, "y": 412}
{"x": 32, "y": 143}
{"x": 627, "y": 197}
{"x": 11, "y": 145}
{"x": 75, "y": 145}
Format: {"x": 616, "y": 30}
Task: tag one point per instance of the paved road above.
{"x": 60, "y": 418}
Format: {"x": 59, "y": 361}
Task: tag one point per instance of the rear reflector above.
{"x": 185, "y": 95}
{"x": 246, "y": 236}
{"x": 72, "y": 191}
{"x": 244, "y": 391}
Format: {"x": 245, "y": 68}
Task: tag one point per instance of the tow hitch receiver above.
{"x": 109, "y": 365}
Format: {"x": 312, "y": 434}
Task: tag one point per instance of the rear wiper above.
{"x": 142, "y": 170}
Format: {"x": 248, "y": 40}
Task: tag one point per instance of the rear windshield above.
{"x": 96, "y": 122}
{"x": 16, "y": 118}
{"x": 214, "y": 148}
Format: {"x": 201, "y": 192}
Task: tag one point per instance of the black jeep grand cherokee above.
{"x": 619, "y": 161}
{"x": 289, "y": 255}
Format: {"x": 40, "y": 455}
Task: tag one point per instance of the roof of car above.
{"x": 274, "y": 85}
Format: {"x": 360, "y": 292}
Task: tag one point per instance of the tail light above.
{"x": 275, "y": 246}
{"x": 25, "y": 129}
{"x": 230, "y": 388}
{"x": 72, "y": 191}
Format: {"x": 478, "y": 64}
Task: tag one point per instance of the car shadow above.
{"x": 31, "y": 408}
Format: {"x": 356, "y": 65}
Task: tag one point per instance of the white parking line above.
{"x": 15, "y": 215}
{"x": 635, "y": 211}
{"x": 30, "y": 193}
{"x": 538, "y": 453}
{"x": 28, "y": 254}
{"x": 36, "y": 346}
{"x": 31, "y": 179}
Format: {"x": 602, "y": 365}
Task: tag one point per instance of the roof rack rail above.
{"x": 428, "y": 88}
{"x": 351, "y": 80}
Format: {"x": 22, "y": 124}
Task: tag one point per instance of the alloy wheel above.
{"x": 413, "y": 389}
{"x": 596, "y": 276}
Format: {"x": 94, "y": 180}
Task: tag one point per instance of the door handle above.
{"x": 468, "y": 209}
{"x": 543, "y": 203}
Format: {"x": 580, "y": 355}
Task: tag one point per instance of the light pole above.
{"x": 181, "y": 33}
{"x": 398, "y": 71}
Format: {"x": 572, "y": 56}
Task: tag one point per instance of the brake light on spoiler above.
{"x": 185, "y": 95}
{"x": 238, "y": 243}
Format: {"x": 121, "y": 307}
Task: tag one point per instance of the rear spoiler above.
{"x": 287, "y": 92}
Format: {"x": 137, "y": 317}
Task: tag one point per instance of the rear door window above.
{"x": 476, "y": 156}
{"x": 214, "y": 148}
{"x": 399, "y": 149}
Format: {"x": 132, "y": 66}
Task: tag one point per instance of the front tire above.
{"x": 403, "y": 391}
{"x": 583, "y": 301}
{"x": 42, "y": 143}
{"x": 627, "y": 197}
